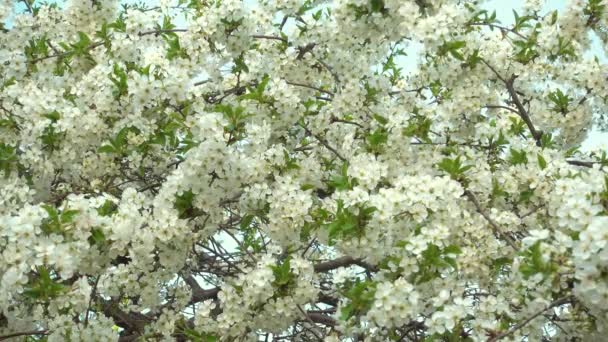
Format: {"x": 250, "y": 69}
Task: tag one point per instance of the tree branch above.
{"x": 493, "y": 224}
{"x": 24, "y": 333}
{"x": 521, "y": 110}
{"x": 261, "y": 36}
{"x": 157, "y": 32}
{"x": 309, "y": 87}
{"x": 313, "y": 327}
{"x": 523, "y": 113}
{"x": 561, "y": 301}
{"x": 63, "y": 54}
{"x": 344, "y": 261}
{"x": 324, "y": 143}
{"x": 501, "y": 28}
{"x": 28, "y": 6}
{"x": 581, "y": 163}
{"x": 321, "y": 319}
{"x": 502, "y": 107}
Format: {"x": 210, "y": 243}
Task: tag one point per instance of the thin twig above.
{"x": 347, "y": 122}
{"x": 493, "y": 224}
{"x": 502, "y": 28}
{"x": 63, "y": 54}
{"x": 561, "y": 301}
{"x": 24, "y": 333}
{"x": 324, "y": 143}
{"x": 494, "y": 71}
{"x": 297, "y": 84}
{"x": 157, "y": 32}
{"x": 502, "y": 107}
{"x": 93, "y": 294}
{"x": 313, "y": 327}
{"x": 28, "y": 6}
{"x": 261, "y": 36}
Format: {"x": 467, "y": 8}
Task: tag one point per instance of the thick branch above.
{"x": 581, "y": 163}
{"x": 523, "y": 113}
{"x": 521, "y": 110}
{"x": 345, "y": 261}
{"x": 321, "y": 319}
{"x": 198, "y": 293}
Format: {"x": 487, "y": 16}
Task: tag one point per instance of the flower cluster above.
{"x": 302, "y": 170}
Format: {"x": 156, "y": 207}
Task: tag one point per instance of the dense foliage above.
{"x": 224, "y": 170}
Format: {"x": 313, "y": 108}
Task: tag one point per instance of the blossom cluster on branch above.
{"x": 226, "y": 170}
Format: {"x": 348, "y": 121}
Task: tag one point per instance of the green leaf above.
{"x": 522, "y": 22}
{"x": 348, "y": 222}
{"x": 195, "y": 336}
{"x": 453, "y": 48}
{"x": 246, "y": 221}
{"x": 434, "y": 261}
{"x": 381, "y": 119}
{"x": 184, "y": 204}
{"x": 8, "y": 159}
{"x": 376, "y": 140}
{"x": 119, "y": 78}
{"x": 257, "y": 93}
{"x": 107, "y": 208}
{"x": 97, "y": 237}
{"x": 377, "y": 5}
{"x": 452, "y": 249}
{"x": 594, "y": 10}
{"x": 240, "y": 65}
{"x": 542, "y": 163}
{"x": 360, "y": 295}
{"x": 497, "y": 190}
{"x": 43, "y": 287}
{"x": 419, "y": 127}
{"x": 553, "y": 18}
{"x": 525, "y": 196}
{"x": 174, "y": 49}
{"x": 499, "y": 264}
{"x": 534, "y": 263}
{"x": 518, "y": 157}
{"x": 560, "y": 100}
{"x": 107, "y": 149}
{"x": 342, "y": 181}
{"x": 317, "y": 15}
{"x": 38, "y": 47}
{"x": 454, "y": 167}
{"x": 68, "y": 216}
{"x": 517, "y": 126}
{"x": 81, "y": 47}
{"x": 546, "y": 140}
{"x": 282, "y": 272}
{"x": 119, "y": 25}
{"x": 283, "y": 277}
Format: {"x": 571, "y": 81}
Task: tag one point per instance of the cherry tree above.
{"x": 224, "y": 170}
